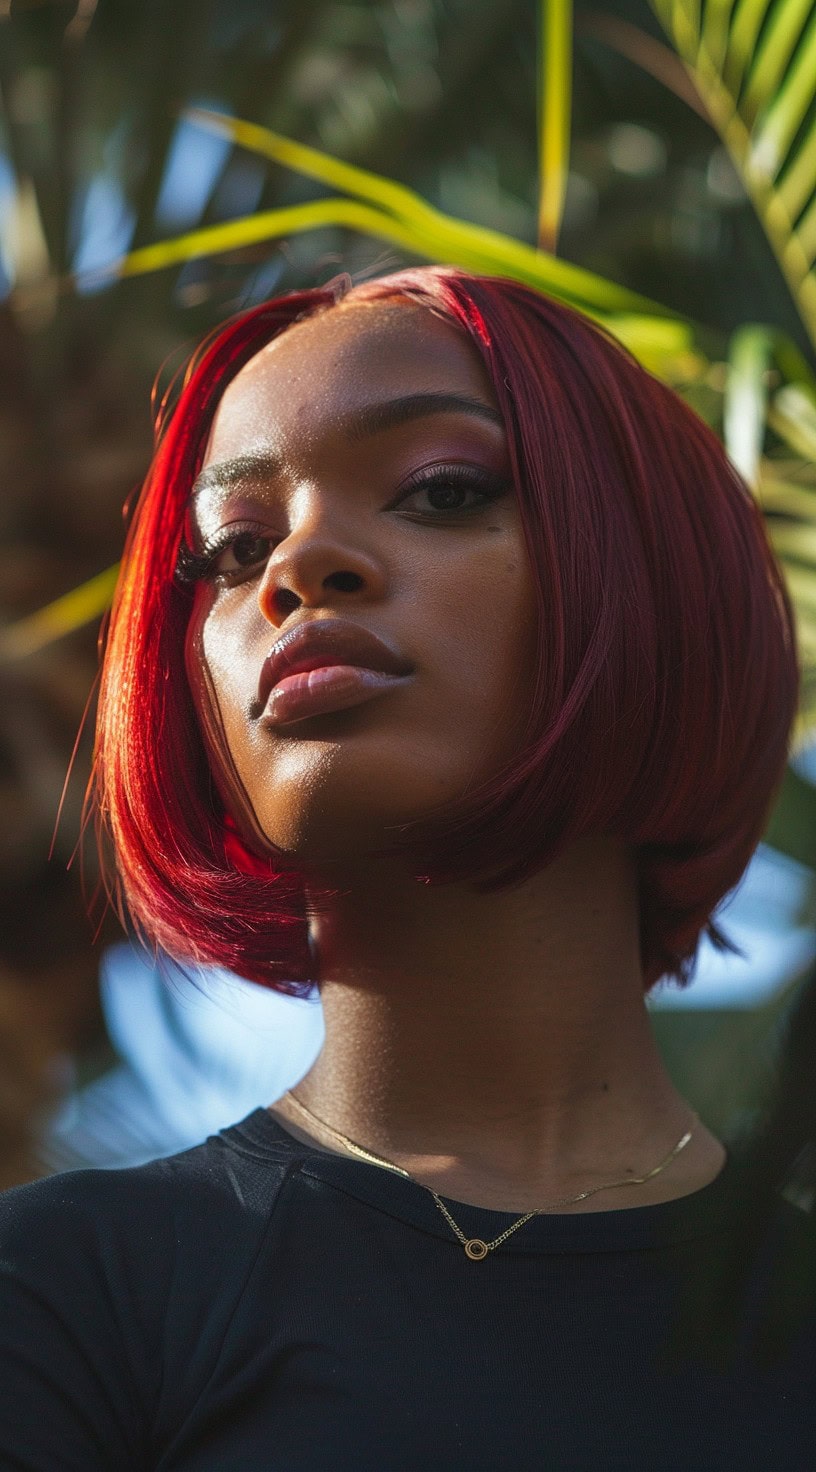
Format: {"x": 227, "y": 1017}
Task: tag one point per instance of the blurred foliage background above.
{"x": 105, "y": 150}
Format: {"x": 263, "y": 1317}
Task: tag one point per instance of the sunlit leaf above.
{"x": 434, "y": 234}
{"x": 665, "y": 347}
{"x": 59, "y": 618}
{"x": 794, "y": 539}
{"x": 784, "y": 496}
{"x": 792, "y": 414}
{"x": 232, "y": 235}
{"x": 555, "y": 110}
{"x": 802, "y": 585}
{"x": 746, "y": 397}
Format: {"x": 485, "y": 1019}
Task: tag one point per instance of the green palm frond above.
{"x": 387, "y": 210}
{"x": 753, "y": 63}
{"x": 759, "y": 356}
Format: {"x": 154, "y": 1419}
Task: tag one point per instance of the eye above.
{"x": 452, "y": 493}
{"x": 244, "y": 550}
{"x": 451, "y": 490}
{"x": 224, "y": 557}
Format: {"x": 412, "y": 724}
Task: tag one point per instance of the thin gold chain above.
{"x": 475, "y": 1248}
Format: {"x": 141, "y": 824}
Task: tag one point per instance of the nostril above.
{"x": 285, "y": 601}
{"x": 347, "y": 582}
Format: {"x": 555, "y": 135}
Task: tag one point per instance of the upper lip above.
{"x": 326, "y": 641}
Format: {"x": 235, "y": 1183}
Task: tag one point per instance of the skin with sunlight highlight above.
{"x": 409, "y": 529}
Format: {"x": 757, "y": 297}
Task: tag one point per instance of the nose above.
{"x": 315, "y": 565}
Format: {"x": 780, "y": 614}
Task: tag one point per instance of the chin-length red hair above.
{"x": 666, "y": 682}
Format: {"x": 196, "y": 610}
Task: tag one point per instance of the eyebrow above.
{"x": 371, "y": 419}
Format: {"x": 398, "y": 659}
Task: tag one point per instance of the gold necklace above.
{"x": 475, "y": 1248}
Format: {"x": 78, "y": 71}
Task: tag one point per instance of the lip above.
{"x": 322, "y": 644}
{"x": 330, "y": 688}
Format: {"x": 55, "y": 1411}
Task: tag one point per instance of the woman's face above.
{"x": 408, "y": 530}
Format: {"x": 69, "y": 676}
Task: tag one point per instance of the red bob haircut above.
{"x": 666, "y": 680}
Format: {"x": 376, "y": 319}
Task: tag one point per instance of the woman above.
{"x": 449, "y": 671}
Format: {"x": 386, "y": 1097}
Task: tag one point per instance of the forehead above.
{"x": 322, "y": 368}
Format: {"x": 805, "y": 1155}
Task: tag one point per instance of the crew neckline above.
{"x": 697, "y": 1214}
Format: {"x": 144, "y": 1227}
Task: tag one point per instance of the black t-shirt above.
{"x": 257, "y": 1305}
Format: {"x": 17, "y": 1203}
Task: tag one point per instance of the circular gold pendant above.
{"x": 476, "y": 1248}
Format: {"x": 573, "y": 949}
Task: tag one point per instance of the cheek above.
{"x": 203, "y": 674}
{"x": 219, "y": 663}
{"x": 211, "y": 677}
{"x": 486, "y": 622}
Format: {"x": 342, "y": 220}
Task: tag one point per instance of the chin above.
{"x": 345, "y": 823}
{"x": 324, "y": 801}
{"x": 335, "y": 836}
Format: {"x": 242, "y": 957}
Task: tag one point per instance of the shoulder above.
{"x": 132, "y": 1249}
{"x": 178, "y": 1202}
{"x": 80, "y": 1319}
{"x": 125, "y": 1246}
{"x": 114, "y": 1287}
{"x": 750, "y": 1286}
{"x": 73, "y": 1229}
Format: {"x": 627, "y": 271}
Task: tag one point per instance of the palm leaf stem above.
{"x": 469, "y": 246}
{"x": 555, "y": 111}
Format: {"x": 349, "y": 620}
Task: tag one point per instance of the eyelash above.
{"x": 192, "y": 567}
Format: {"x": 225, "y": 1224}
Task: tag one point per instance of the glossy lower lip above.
{"x": 332, "y": 687}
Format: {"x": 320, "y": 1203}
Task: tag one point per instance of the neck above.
{"x": 495, "y": 1042}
